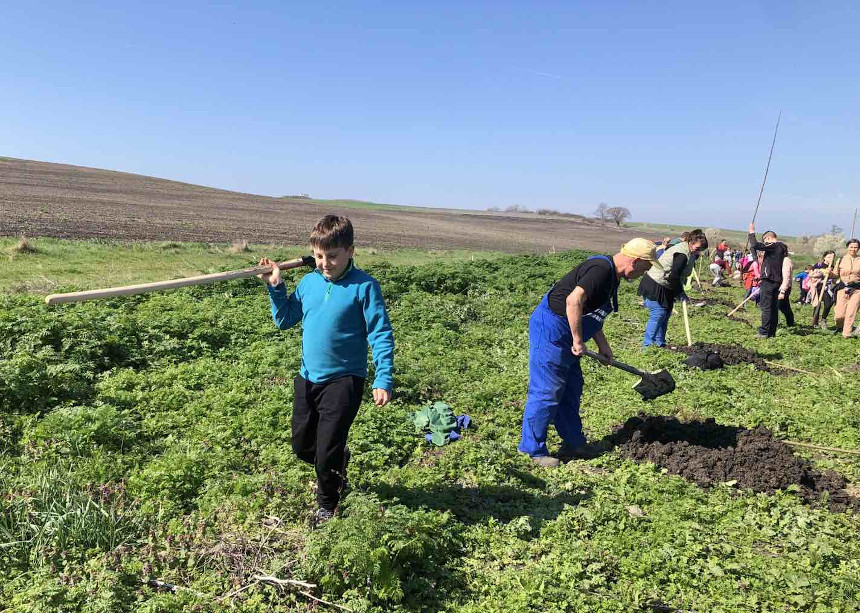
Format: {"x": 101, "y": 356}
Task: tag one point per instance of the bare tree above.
{"x": 600, "y": 211}
{"x": 617, "y": 214}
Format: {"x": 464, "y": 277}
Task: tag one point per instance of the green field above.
{"x": 147, "y": 438}
{"x": 90, "y": 264}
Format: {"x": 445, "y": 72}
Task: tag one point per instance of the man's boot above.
{"x": 546, "y": 461}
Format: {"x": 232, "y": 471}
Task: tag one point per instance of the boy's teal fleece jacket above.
{"x": 339, "y": 319}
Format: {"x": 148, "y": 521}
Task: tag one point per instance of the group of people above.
{"x": 833, "y": 282}
{"x": 767, "y": 272}
{"x": 342, "y": 312}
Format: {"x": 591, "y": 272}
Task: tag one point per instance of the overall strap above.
{"x": 614, "y": 298}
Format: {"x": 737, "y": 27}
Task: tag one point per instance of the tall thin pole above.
{"x": 767, "y": 168}
{"x": 853, "y": 223}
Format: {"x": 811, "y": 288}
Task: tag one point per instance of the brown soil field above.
{"x": 59, "y": 200}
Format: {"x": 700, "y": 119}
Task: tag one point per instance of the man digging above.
{"x": 568, "y": 316}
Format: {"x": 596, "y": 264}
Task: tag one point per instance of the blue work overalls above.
{"x": 555, "y": 376}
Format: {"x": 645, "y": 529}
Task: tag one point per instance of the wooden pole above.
{"x": 819, "y": 447}
{"x": 818, "y": 296}
{"x": 764, "y": 180}
{"x": 129, "y": 290}
{"x": 747, "y": 299}
{"x": 687, "y": 323}
{"x": 778, "y": 365}
{"x": 696, "y": 277}
{"x": 767, "y": 168}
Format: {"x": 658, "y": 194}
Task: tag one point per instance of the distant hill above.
{"x": 60, "y": 200}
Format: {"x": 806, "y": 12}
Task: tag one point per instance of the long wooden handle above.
{"x": 129, "y": 290}
{"x": 732, "y": 312}
{"x": 687, "y": 324}
{"x": 818, "y": 292}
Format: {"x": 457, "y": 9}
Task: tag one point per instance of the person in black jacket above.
{"x": 774, "y": 253}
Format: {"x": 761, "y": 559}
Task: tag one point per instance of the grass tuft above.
{"x": 23, "y": 246}
{"x": 241, "y": 246}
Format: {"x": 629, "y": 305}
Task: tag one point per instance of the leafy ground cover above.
{"x": 90, "y": 264}
{"x": 147, "y": 438}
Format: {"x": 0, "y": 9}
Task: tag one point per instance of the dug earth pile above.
{"x": 729, "y": 354}
{"x": 709, "y": 454}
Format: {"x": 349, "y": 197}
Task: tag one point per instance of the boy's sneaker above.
{"x": 320, "y": 517}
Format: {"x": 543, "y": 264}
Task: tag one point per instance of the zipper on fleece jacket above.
{"x": 331, "y": 282}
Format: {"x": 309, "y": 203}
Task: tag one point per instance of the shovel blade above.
{"x": 655, "y": 384}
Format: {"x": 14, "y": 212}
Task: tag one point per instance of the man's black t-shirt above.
{"x": 595, "y": 276}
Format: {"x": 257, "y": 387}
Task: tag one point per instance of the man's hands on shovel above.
{"x": 381, "y": 397}
{"x": 604, "y": 355}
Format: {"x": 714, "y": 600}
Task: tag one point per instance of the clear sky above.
{"x": 667, "y": 108}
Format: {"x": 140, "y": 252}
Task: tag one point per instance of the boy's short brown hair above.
{"x": 332, "y": 231}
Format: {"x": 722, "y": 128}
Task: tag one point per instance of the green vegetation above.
{"x": 148, "y": 438}
{"x": 89, "y": 264}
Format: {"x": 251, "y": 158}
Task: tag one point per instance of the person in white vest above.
{"x": 660, "y": 287}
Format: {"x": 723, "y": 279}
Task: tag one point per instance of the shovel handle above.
{"x": 616, "y": 364}
{"x": 129, "y": 290}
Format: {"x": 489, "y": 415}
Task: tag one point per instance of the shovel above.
{"x": 650, "y": 385}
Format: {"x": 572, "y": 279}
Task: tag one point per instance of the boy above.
{"x": 342, "y": 311}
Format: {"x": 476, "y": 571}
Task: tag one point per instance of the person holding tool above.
{"x": 660, "y": 287}
{"x": 821, "y": 289}
{"x": 848, "y": 286}
{"x": 342, "y": 312}
{"x": 773, "y": 253}
{"x": 570, "y": 314}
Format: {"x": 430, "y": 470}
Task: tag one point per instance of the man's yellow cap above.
{"x": 643, "y": 249}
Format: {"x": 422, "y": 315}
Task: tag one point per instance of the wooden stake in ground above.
{"x": 687, "y": 323}
{"x": 130, "y": 290}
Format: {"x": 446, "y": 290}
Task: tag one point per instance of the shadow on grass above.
{"x": 476, "y": 504}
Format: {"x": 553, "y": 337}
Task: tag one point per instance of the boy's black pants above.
{"x": 785, "y": 307}
{"x": 322, "y": 415}
{"x": 768, "y": 299}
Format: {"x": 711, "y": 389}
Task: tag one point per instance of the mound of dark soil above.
{"x": 730, "y": 354}
{"x": 704, "y": 360}
{"x": 709, "y": 454}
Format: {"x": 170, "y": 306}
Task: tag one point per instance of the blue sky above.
{"x": 667, "y": 108}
